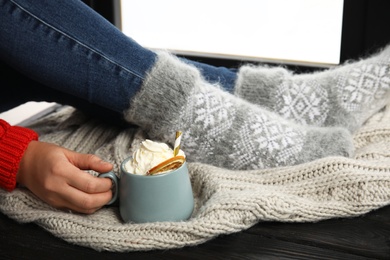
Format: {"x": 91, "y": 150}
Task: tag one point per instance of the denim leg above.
{"x": 21, "y": 89}
{"x": 65, "y": 45}
{"x": 68, "y": 47}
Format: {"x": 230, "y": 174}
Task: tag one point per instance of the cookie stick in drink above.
{"x": 176, "y": 147}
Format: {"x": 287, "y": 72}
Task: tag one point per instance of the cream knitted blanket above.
{"x": 226, "y": 201}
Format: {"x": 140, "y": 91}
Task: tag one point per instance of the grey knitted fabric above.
{"x": 343, "y": 96}
{"x": 226, "y": 201}
{"x": 222, "y": 130}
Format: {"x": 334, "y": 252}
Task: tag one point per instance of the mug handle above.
{"x": 114, "y": 179}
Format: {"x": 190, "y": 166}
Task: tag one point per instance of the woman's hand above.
{"x": 56, "y": 176}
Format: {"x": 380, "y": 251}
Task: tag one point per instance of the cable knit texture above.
{"x": 226, "y": 201}
{"x": 13, "y": 142}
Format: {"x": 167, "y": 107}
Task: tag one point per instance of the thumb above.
{"x": 89, "y": 162}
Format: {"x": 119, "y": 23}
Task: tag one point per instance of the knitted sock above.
{"x": 221, "y": 129}
{"x": 344, "y": 96}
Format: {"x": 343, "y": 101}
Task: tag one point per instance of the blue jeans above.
{"x": 63, "y": 51}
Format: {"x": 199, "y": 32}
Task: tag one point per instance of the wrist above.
{"x": 13, "y": 143}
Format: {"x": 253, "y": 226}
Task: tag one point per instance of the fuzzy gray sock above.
{"x": 222, "y": 129}
{"x": 344, "y": 96}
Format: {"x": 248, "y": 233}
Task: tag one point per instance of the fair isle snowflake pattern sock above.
{"x": 343, "y": 96}
{"x": 221, "y": 129}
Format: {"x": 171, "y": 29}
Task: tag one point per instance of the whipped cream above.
{"x": 148, "y": 155}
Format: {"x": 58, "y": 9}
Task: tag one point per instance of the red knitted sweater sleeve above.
{"x": 13, "y": 142}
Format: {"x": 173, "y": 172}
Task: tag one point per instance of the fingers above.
{"x": 87, "y": 183}
{"x": 85, "y": 203}
{"x": 84, "y": 192}
{"x": 89, "y": 162}
{"x": 84, "y": 181}
{"x": 87, "y": 193}
{"x": 57, "y": 176}
{"x": 64, "y": 196}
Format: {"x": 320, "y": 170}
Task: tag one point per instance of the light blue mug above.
{"x": 161, "y": 197}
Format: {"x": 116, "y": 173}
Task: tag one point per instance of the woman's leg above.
{"x": 68, "y": 47}
{"x": 21, "y": 89}
{"x": 344, "y": 96}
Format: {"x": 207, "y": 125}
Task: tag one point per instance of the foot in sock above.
{"x": 222, "y": 129}
{"x": 344, "y": 96}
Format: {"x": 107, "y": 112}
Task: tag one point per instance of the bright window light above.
{"x": 289, "y": 31}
